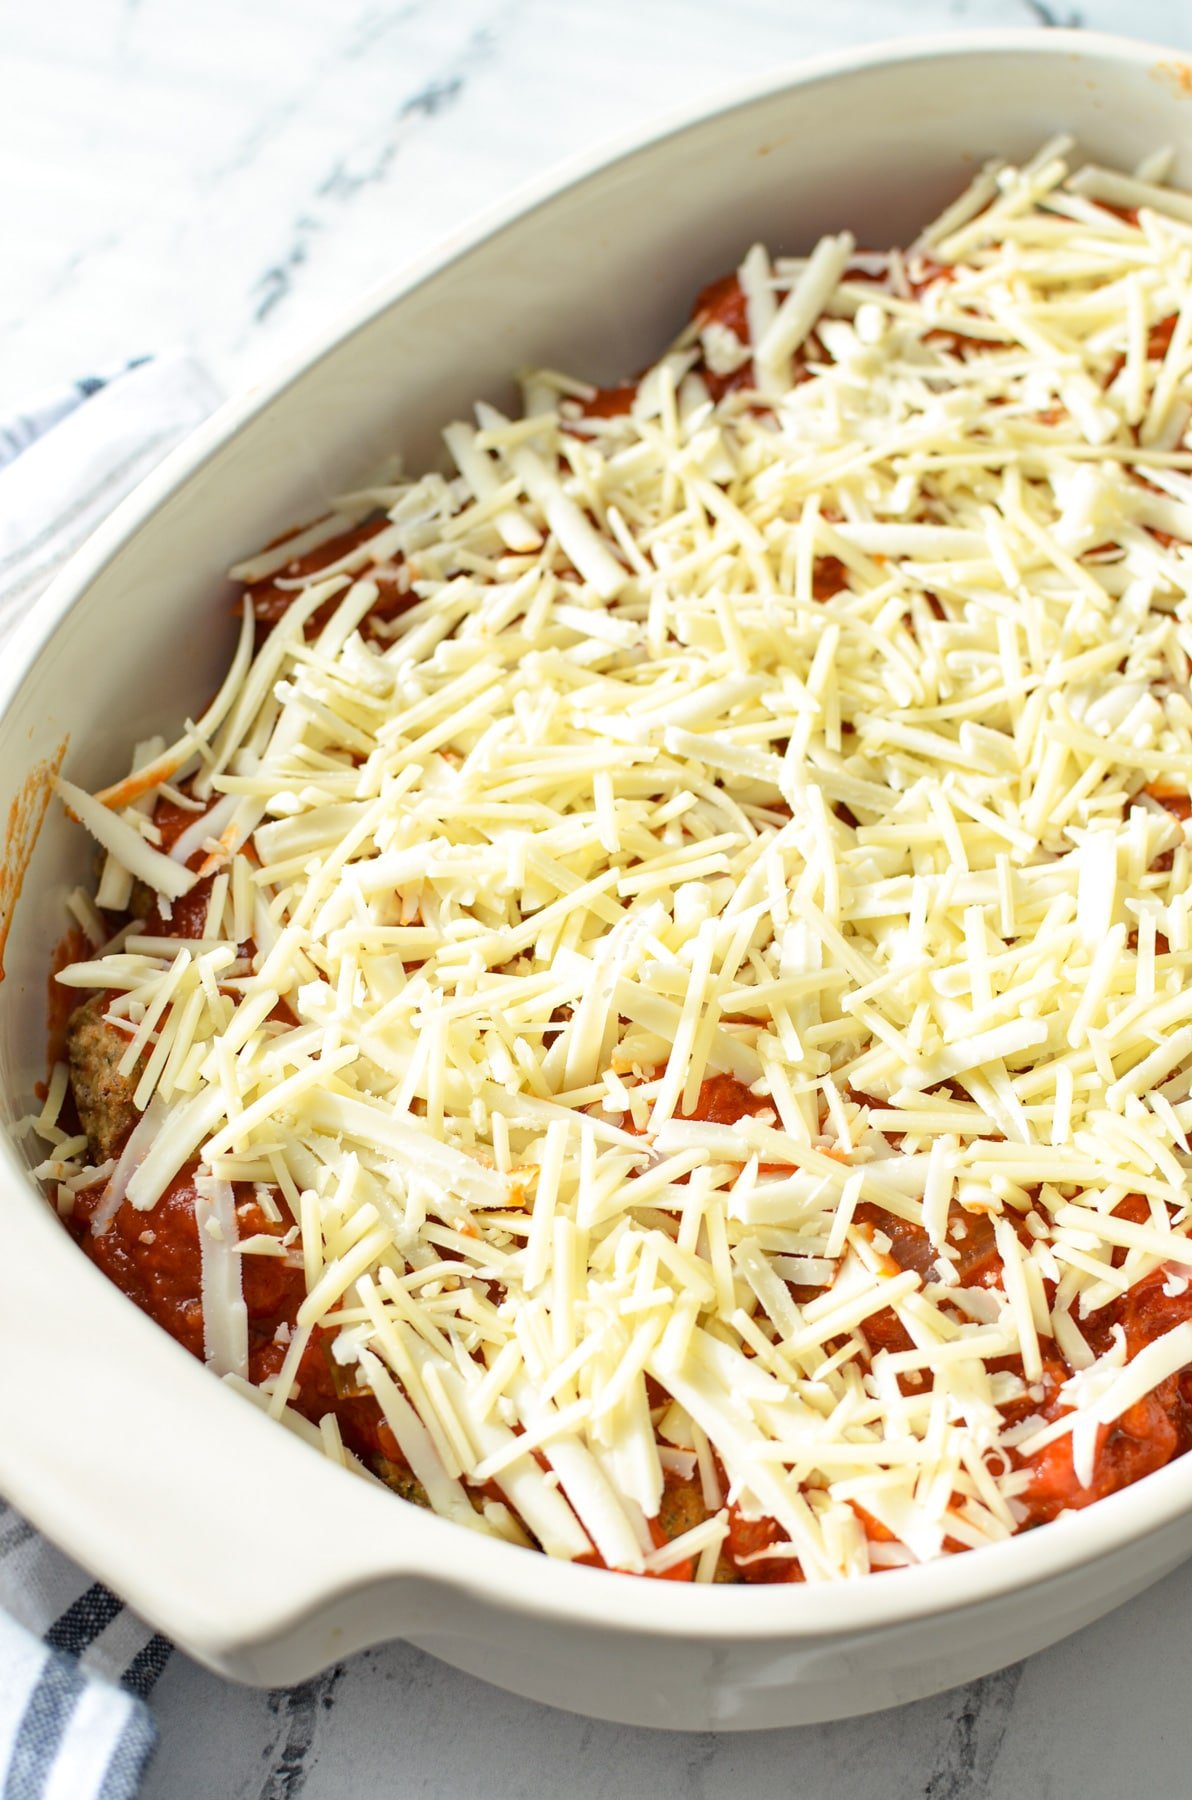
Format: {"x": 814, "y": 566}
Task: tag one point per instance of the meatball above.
{"x": 102, "y": 1096}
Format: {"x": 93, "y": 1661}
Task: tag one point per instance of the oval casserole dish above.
{"x": 257, "y": 1557}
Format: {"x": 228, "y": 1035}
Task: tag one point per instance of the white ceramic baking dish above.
{"x": 261, "y": 1559}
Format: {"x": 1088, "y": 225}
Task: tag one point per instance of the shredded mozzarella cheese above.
{"x": 811, "y": 739}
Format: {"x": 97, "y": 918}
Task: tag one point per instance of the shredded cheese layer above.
{"x": 815, "y": 732}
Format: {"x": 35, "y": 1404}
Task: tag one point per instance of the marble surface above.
{"x": 224, "y": 177}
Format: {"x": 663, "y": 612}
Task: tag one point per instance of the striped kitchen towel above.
{"x": 74, "y": 1675}
{"x": 69, "y": 457}
{"x": 76, "y": 1666}
{"x": 38, "y": 415}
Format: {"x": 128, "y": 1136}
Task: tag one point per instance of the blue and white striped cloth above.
{"x": 74, "y": 1676}
{"x": 44, "y": 411}
{"x": 68, "y": 457}
{"x": 76, "y": 1666}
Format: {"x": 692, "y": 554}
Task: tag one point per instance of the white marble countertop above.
{"x": 224, "y": 177}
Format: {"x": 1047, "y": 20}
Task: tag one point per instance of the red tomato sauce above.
{"x": 62, "y": 1001}
{"x": 1178, "y": 804}
{"x": 154, "y": 1259}
{"x": 610, "y": 403}
{"x": 271, "y": 602}
{"x": 1145, "y": 1437}
{"x": 745, "y": 1546}
{"x": 188, "y": 915}
{"x": 722, "y": 1100}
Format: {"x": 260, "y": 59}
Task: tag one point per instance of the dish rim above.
{"x": 502, "y": 1575}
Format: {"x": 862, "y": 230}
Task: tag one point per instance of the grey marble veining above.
{"x": 226, "y": 176}
{"x": 1099, "y": 1717}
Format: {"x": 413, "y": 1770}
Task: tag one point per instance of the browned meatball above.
{"x": 102, "y": 1095}
{"x": 683, "y": 1508}
{"x": 402, "y": 1481}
